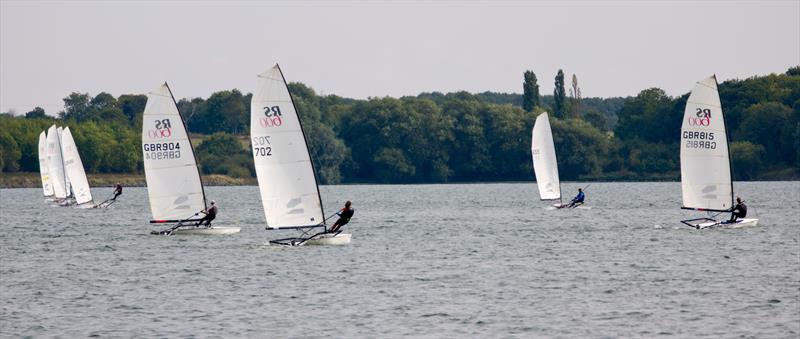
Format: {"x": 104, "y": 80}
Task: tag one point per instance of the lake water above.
{"x": 478, "y": 260}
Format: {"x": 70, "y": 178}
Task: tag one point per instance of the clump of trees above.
{"x": 438, "y": 137}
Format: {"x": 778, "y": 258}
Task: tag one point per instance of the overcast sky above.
{"x": 384, "y": 48}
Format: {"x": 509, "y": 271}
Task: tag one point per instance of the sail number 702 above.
{"x": 260, "y": 147}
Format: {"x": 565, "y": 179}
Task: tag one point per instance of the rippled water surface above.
{"x": 425, "y": 261}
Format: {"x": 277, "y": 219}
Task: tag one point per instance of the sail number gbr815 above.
{"x": 694, "y": 139}
{"x": 261, "y": 146}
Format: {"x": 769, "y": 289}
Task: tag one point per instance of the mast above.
{"x": 725, "y": 127}
{"x": 191, "y": 147}
{"x": 302, "y": 130}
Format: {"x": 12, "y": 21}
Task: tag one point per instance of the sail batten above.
{"x": 286, "y": 179}
{"x": 545, "y": 163}
{"x": 74, "y": 169}
{"x": 173, "y": 179}
{"x": 705, "y": 161}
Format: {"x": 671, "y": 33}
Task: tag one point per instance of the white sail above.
{"x": 44, "y": 170}
{"x": 55, "y": 164}
{"x": 545, "y": 164}
{"x": 173, "y": 179}
{"x": 67, "y": 182}
{"x": 74, "y": 168}
{"x": 286, "y": 178}
{"x": 705, "y": 165}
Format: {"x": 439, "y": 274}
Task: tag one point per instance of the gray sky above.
{"x": 359, "y": 49}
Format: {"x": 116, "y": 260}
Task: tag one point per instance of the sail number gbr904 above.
{"x": 162, "y": 150}
{"x": 261, "y": 146}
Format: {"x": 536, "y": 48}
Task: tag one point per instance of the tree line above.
{"x": 438, "y": 137}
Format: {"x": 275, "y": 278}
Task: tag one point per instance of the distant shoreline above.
{"x": 32, "y": 180}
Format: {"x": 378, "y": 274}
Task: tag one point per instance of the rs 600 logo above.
{"x": 271, "y": 118}
{"x": 163, "y": 130}
{"x": 702, "y": 118}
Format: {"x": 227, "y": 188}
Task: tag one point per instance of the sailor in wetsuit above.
{"x": 344, "y": 217}
{"x": 210, "y": 214}
{"x": 117, "y": 191}
{"x": 578, "y": 199}
{"x": 739, "y": 211}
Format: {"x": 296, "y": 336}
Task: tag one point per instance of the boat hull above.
{"x": 335, "y": 240}
{"x": 741, "y": 223}
{"x": 214, "y": 230}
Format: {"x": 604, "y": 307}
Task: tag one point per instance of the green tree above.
{"x": 530, "y": 89}
{"x": 36, "y": 113}
{"x": 76, "y": 107}
{"x": 769, "y": 124}
{"x": 559, "y": 96}
{"x": 746, "y": 159}
{"x": 9, "y": 152}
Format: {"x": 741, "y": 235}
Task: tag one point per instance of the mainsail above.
{"x": 55, "y": 164}
{"x": 286, "y": 179}
{"x": 74, "y": 168}
{"x": 67, "y": 181}
{"x": 705, "y": 162}
{"x": 44, "y": 170}
{"x": 545, "y": 164}
{"x": 173, "y": 179}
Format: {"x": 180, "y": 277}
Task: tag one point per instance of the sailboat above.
{"x": 74, "y": 169}
{"x": 55, "y": 164}
{"x": 44, "y": 170}
{"x": 286, "y": 179}
{"x": 67, "y": 181}
{"x": 545, "y": 163}
{"x": 706, "y": 177}
{"x": 174, "y": 188}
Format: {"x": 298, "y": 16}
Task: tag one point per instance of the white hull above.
{"x": 559, "y": 207}
{"x": 339, "y": 239}
{"x": 213, "y": 230}
{"x": 747, "y": 222}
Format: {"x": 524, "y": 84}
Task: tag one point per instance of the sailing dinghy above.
{"x": 706, "y": 179}
{"x": 47, "y": 186}
{"x": 55, "y": 165}
{"x": 73, "y": 166}
{"x": 173, "y": 179}
{"x": 67, "y": 181}
{"x": 286, "y": 179}
{"x": 545, "y": 163}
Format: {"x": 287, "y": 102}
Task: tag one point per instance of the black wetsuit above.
{"x": 117, "y": 192}
{"x": 344, "y": 218}
{"x": 739, "y": 211}
{"x": 211, "y": 214}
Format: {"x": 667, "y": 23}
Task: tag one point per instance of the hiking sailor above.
{"x": 578, "y": 199}
{"x": 344, "y": 217}
{"x": 210, "y": 214}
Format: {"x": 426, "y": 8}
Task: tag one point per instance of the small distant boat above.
{"x": 174, "y": 188}
{"x": 545, "y": 163}
{"x": 706, "y": 177}
{"x": 55, "y": 165}
{"x": 73, "y": 166}
{"x": 286, "y": 179}
{"x": 44, "y": 170}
